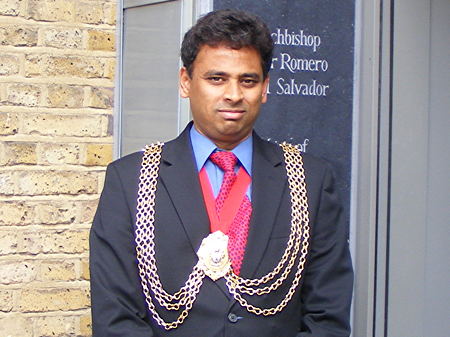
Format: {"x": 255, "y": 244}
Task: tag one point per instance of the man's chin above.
{"x": 230, "y": 138}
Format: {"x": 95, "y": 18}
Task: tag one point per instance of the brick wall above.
{"x": 57, "y": 63}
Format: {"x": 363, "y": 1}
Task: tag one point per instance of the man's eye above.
{"x": 249, "y": 81}
{"x": 215, "y": 79}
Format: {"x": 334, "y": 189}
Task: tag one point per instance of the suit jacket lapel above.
{"x": 179, "y": 175}
{"x": 268, "y": 183}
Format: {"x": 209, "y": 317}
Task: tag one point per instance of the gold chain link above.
{"x": 186, "y": 296}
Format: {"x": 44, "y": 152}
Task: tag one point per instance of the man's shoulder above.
{"x": 311, "y": 162}
{"x": 129, "y": 162}
{"x": 314, "y": 163}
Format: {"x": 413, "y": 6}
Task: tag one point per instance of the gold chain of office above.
{"x": 294, "y": 254}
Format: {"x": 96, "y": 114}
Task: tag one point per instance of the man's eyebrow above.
{"x": 215, "y": 73}
{"x": 255, "y": 76}
{"x": 210, "y": 73}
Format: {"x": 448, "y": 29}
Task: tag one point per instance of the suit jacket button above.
{"x": 233, "y": 318}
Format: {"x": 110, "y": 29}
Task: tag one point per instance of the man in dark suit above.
{"x": 218, "y": 232}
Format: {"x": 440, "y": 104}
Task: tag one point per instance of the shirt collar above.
{"x": 203, "y": 147}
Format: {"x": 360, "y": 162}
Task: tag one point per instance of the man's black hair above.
{"x": 232, "y": 28}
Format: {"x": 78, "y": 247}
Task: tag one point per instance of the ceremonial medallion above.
{"x": 213, "y": 255}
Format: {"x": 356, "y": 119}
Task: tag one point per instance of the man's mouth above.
{"x": 231, "y": 114}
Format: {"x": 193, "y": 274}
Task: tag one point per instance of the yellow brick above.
{"x": 18, "y": 36}
{"x": 110, "y": 71}
{"x": 16, "y": 213}
{"x": 9, "y": 123}
{"x": 58, "y": 153}
{"x": 3, "y": 86}
{"x": 87, "y": 210}
{"x": 16, "y": 326}
{"x": 101, "y": 40}
{"x": 86, "y": 325}
{"x": 75, "y": 66}
{"x": 9, "y": 65}
{"x": 85, "y": 275}
{"x": 102, "y": 98}
{"x": 6, "y": 302}
{"x": 62, "y": 38}
{"x": 10, "y": 7}
{"x": 42, "y": 212}
{"x": 48, "y": 183}
{"x": 55, "y": 326}
{"x": 90, "y": 12}
{"x": 99, "y": 154}
{"x": 65, "y": 96}
{"x": 17, "y": 271}
{"x": 51, "y": 10}
{"x": 3, "y": 159}
{"x": 24, "y": 94}
{"x": 108, "y": 125}
{"x": 57, "y": 271}
{"x": 19, "y": 153}
{"x": 34, "y": 65}
{"x": 54, "y": 241}
{"x": 53, "y": 183}
{"x": 8, "y": 182}
{"x": 101, "y": 180}
{"x": 9, "y": 242}
{"x": 43, "y": 300}
{"x": 52, "y": 213}
{"x": 64, "y": 125}
{"x": 111, "y": 13}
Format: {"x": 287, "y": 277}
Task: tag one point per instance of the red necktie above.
{"x": 238, "y": 230}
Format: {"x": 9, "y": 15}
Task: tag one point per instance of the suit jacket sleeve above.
{"x": 327, "y": 289}
{"x": 118, "y": 306}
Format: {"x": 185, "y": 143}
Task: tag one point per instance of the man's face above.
{"x": 226, "y": 90}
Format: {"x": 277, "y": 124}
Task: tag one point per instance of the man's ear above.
{"x": 185, "y": 83}
{"x": 265, "y": 87}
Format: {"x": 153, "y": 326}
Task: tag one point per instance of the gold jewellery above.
{"x": 213, "y": 255}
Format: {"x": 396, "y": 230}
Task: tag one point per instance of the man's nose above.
{"x": 233, "y": 92}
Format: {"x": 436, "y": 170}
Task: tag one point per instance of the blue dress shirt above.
{"x": 203, "y": 147}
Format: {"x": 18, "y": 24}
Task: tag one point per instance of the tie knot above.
{"x": 224, "y": 159}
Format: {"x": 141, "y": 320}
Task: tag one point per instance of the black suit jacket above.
{"x": 319, "y": 308}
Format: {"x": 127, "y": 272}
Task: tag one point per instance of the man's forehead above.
{"x": 227, "y": 45}
{"x": 217, "y": 58}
